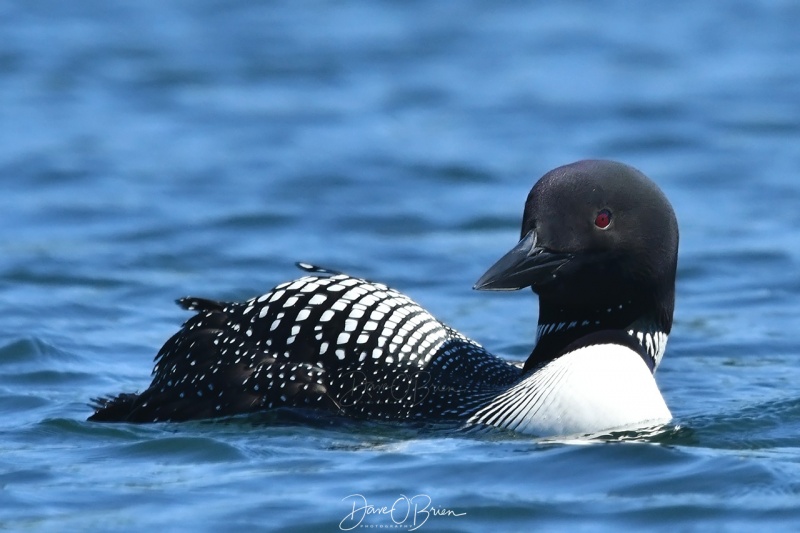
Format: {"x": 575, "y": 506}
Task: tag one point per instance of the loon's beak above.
{"x": 524, "y": 265}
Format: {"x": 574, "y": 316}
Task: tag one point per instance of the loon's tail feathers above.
{"x": 219, "y": 364}
{"x": 114, "y": 408}
{"x": 314, "y": 269}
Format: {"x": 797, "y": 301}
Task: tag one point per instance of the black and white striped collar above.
{"x": 648, "y": 336}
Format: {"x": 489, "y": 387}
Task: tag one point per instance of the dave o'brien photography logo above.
{"x": 405, "y": 512}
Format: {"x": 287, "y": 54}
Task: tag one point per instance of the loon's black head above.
{"x": 599, "y": 246}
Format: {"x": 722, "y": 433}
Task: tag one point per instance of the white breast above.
{"x": 592, "y": 389}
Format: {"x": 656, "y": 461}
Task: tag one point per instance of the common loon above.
{"x": 599, "y": 246}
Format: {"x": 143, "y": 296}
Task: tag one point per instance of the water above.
{"x": 150, "y": 152}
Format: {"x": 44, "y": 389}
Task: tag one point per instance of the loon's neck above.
{"x": 648, "y": 322}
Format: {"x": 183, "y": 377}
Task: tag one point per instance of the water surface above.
{"x": 150, "y": 152}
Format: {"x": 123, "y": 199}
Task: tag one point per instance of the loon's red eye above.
{"x": 603, "y": 219}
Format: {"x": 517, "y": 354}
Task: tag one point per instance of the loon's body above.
{"x": 334, "y": 342}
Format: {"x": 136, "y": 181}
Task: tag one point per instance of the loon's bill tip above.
{"x": 486, "y": 285}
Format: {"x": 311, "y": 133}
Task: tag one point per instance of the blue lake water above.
{"x": 152, "y": 151}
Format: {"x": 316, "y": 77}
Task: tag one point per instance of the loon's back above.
{"x": 326, "y": 341}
